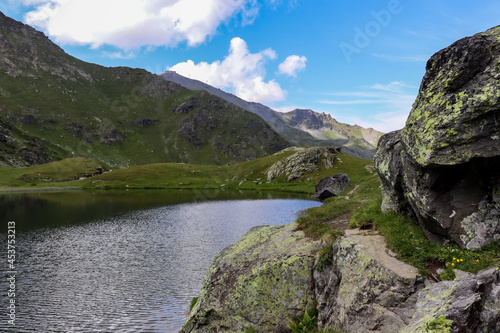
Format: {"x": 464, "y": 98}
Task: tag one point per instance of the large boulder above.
{"x": 331, "y": 186}
{"x": 443, "y": 168}
{"x": 305, "y": 160}
{"x": 261, "y": 282}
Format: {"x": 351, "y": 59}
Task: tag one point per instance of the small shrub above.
{"x": 325, "y": 257}
{"x": 307, "y": 324}
{"x": 193, "y": 303}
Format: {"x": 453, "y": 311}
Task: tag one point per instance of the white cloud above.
{"x": 292, "y": 65}
{"x": 129, "y": 24}
{"x": 393, "y": 87}
{"x": 241, "y": 71}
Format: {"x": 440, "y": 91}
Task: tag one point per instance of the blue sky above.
{"x": 360, "y": 61}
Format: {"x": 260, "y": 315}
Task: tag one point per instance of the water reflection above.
{"x": 117, "y": 262}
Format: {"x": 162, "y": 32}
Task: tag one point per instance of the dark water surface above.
{"x": 122, "y": 261}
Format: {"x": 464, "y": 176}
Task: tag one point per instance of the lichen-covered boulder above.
{"x": 331, "y": 186}
{"x": 305, "y": 160}
{"x": 365, "y": 289}
{"x": 457, "y": 112}
{"x": 262, "y": 281}
{"x": 443, "y": 168}
{"x": 469, "y": 304}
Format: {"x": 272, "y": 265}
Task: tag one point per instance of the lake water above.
{"x": 122, "y": 261}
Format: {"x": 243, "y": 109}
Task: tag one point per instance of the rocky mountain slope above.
{"x": 53, "y": 106}
{"x": 299, "y": 127}
{"x": 444, "y": 166}
{"x": 323, "y": 127}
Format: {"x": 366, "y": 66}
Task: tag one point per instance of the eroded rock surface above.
{"x": 305, "y": 160}
{"x": 444, "y": 166}
{"x": 262, "y": 281}
{"x": 365, "y": 289}
{"x": 471, "y": 303}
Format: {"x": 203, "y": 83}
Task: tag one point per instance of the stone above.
{"x": 470, "y": 303}
{"x": 331, "y": 186}
{"x": 455, "y": 116}
{"x": 262, "y": 281}
{"x": 443, "y": 168}
{"x": 305, "y": 160}
{"x": 365, "y": 289}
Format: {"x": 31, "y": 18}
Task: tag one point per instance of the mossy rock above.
{"x": 262, "y": 281}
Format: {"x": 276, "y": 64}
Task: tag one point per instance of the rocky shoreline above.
{"x": 443, "y": 170}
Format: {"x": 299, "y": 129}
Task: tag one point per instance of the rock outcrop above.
{"x": 471, "y": 303}
{"x": 272, "y": 275}
{"x": 365, "y": 289}
{"x": 444, "y": 166}
{"x": 262, "y": 282}
{"x": 331, "y": 186}
{"x": 305, "y": 160}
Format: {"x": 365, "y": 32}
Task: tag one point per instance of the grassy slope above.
{"x": 245, "y": 175}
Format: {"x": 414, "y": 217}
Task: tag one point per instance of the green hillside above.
{"x": 54, "y": 106}
{"x": 250, "y": 175}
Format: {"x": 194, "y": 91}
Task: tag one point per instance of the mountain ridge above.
{"x": 301, "y": 127}
{"x": 54, "y": 106}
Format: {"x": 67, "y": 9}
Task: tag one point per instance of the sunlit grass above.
{"x": 406, "y": 238}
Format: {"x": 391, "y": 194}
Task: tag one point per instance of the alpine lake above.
{"x": 122, "y": 261}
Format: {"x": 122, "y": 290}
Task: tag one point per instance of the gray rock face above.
{"x": 444, "y": 167}
{"x": 469, "y": 304}
{"x": 262, "y": 281}
{"x": 455, "y": 116}
{"x": 302, "y": 162}
{"x": 271, "y": 276}
{"x": 331, "y": 186}
{"x": 365, "y": 289}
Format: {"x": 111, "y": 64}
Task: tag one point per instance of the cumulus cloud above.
{"x": 240, "y": 71}
{"x": 128, "y": 24}
{"x": 292, "y": 65}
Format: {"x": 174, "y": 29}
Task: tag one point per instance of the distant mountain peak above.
{"x": 301, "y": 127}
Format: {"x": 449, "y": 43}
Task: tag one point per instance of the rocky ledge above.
{"x": 274, "y": 273}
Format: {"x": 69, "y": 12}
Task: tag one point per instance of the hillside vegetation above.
{"x": 54, "y": 106}
{"x": 251, "y": 175}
